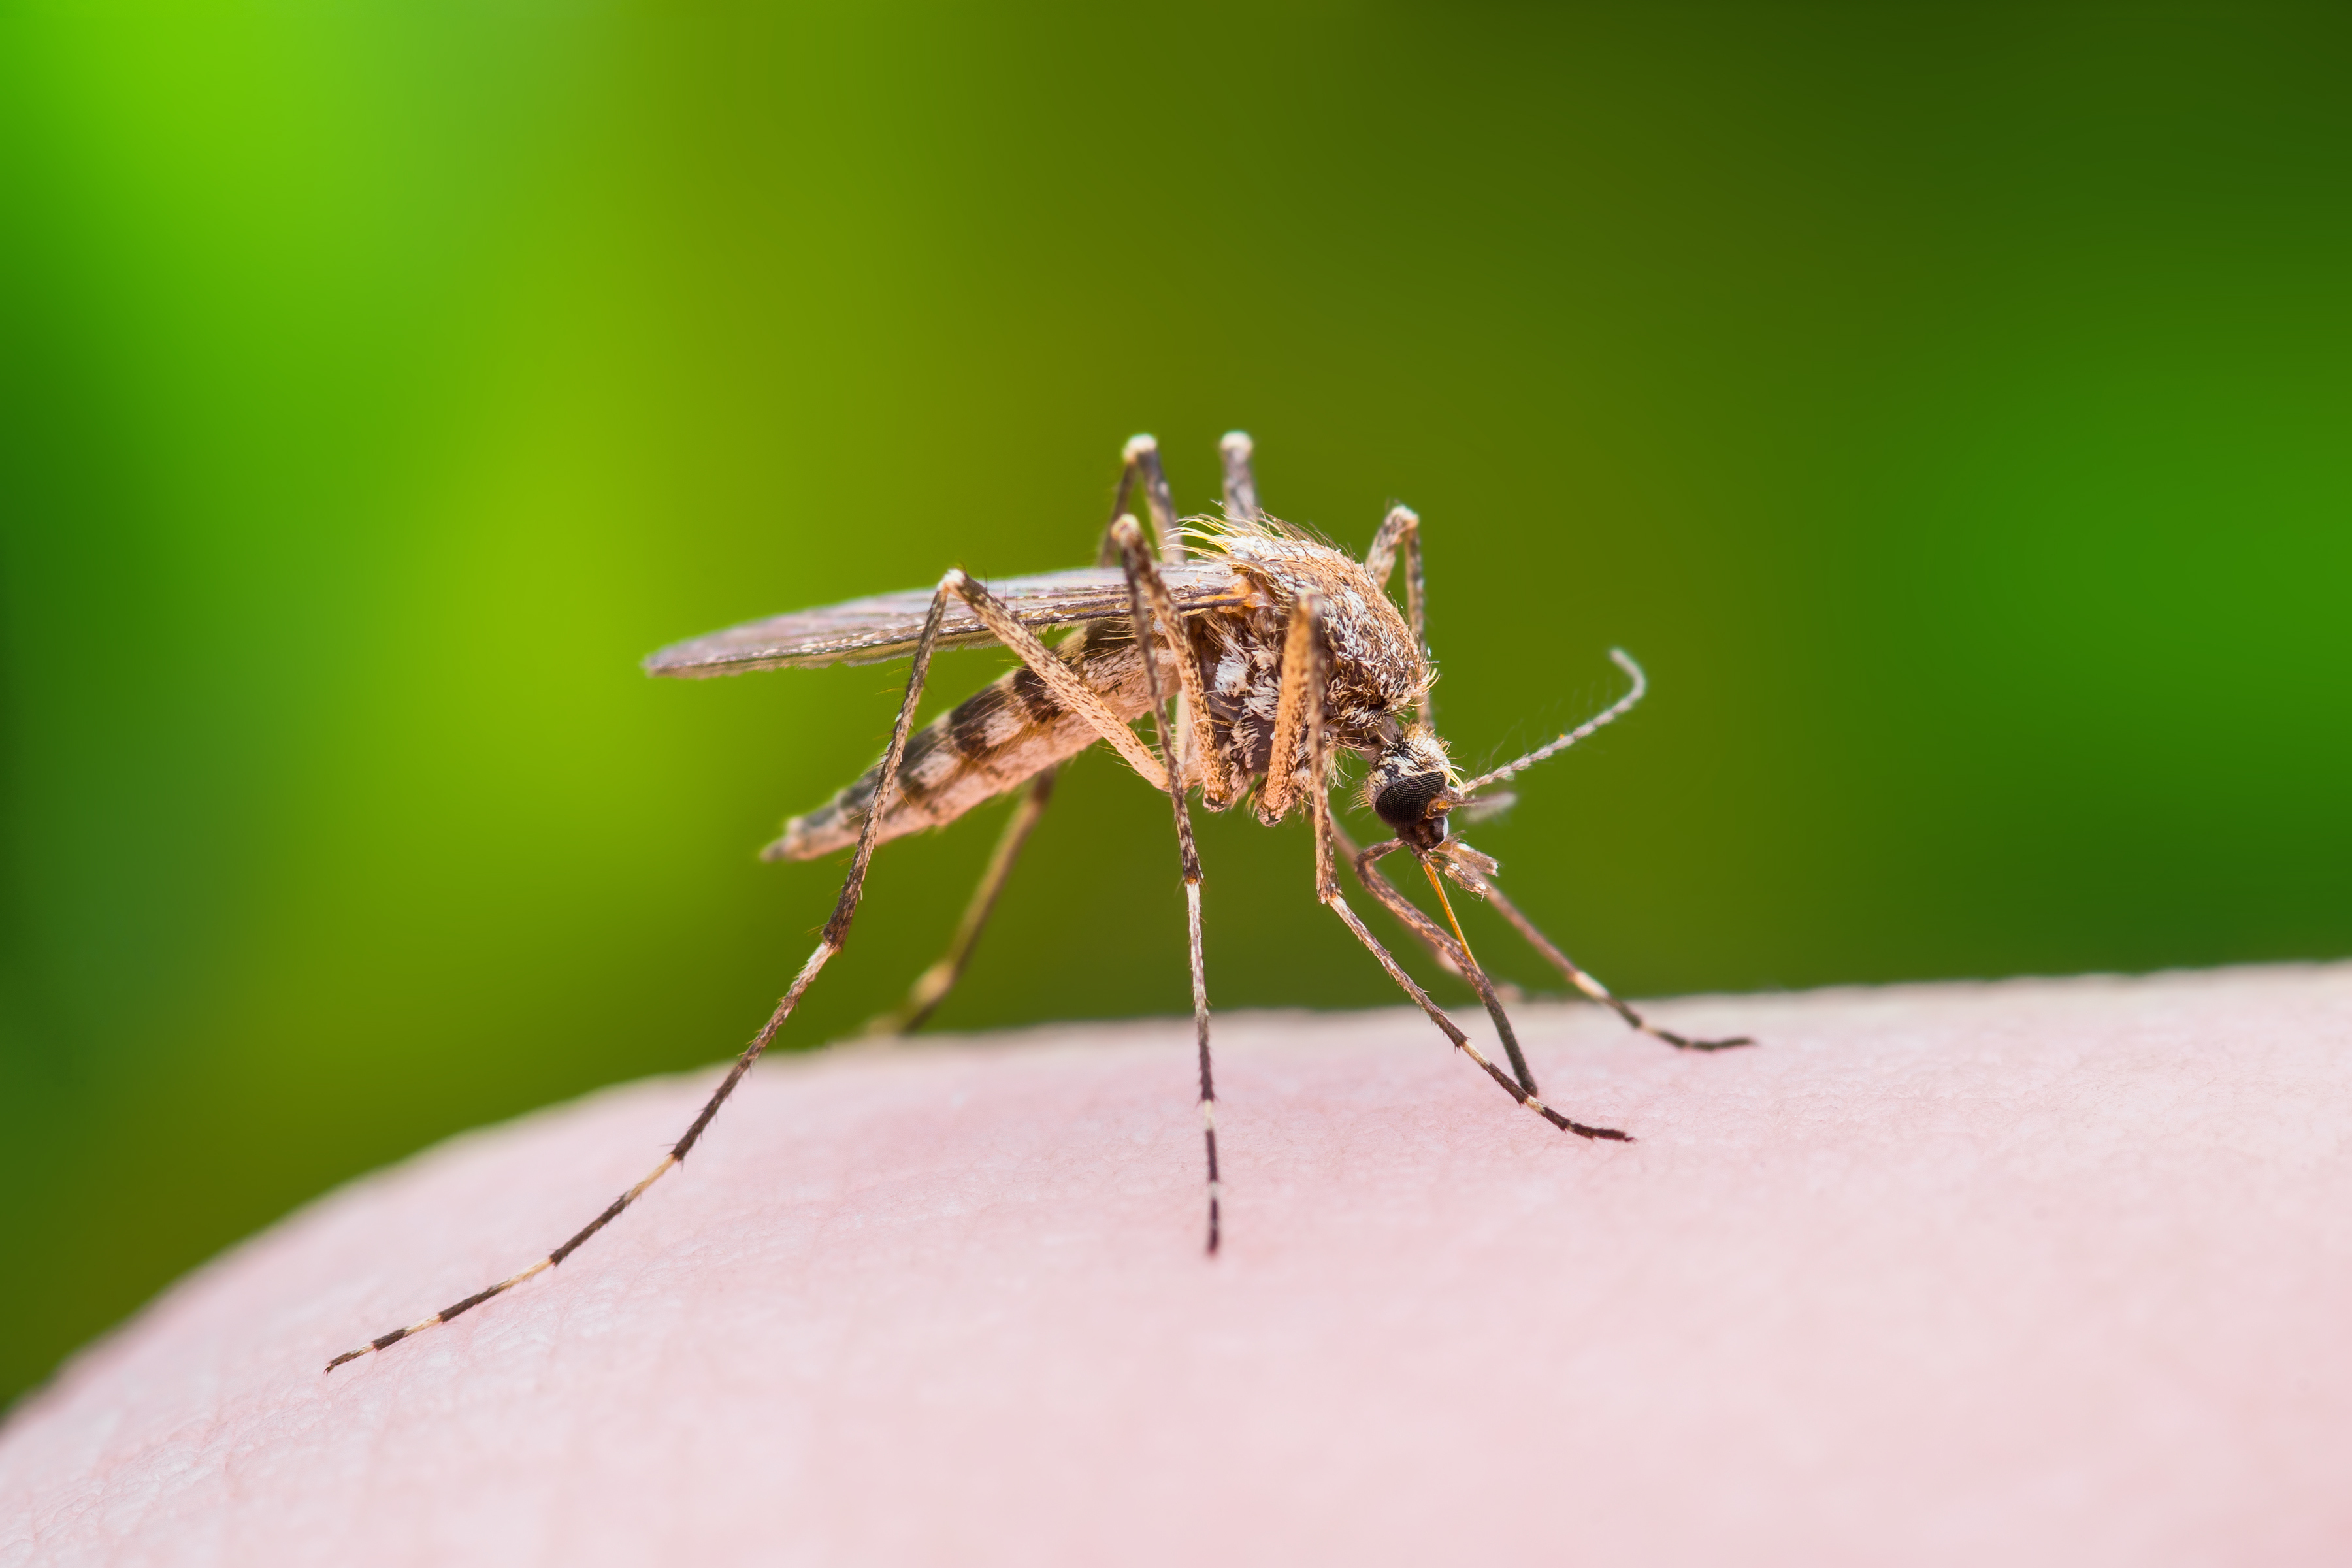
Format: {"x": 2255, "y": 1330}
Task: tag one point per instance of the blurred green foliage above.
{"x": 1950, "y": 406}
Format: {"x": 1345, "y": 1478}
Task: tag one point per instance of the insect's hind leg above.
{"x": 837, "y": 933}
{"x": 931, "y": 988}
{"x": 1593, "y": 988}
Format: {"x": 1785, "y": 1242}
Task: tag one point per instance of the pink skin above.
{"x": 2024, "y": 1273}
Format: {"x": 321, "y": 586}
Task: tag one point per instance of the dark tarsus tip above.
{"x": 1680, "y": 1043}
{"x": 612, "y": 1211}
{"x": 379, "y": 1342}
{"x": 470, "y": 1303}
{"x": 1607, "y": 1134}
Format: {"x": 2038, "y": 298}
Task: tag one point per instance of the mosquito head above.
{"x": 1409, "y": 788}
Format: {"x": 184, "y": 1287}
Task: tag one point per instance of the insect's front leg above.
{"x": 1593, "y": 987}
{"x": 1306, "y": 674}
{"x": 837, "y": 933}
{"x": 1455, "y": 945}
{"x": 1424, "y": 930}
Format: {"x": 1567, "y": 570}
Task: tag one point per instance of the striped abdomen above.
{"x": 1001, "y": 735}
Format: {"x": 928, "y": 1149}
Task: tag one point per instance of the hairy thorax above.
{"x": 1376, "y": 672}
{"x": 1011, "y": 729}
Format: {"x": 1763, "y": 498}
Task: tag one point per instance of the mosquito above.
{"x": 1259, "y": 659}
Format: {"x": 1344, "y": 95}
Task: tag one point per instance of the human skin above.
{"x": 2027, "y": 1272}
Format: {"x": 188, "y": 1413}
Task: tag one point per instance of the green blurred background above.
{"x": 1950, "y": 407}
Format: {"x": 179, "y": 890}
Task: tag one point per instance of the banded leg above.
{"x": 1202, "y": 761}
{"x": 1074, "y": 697}
{"x": 1303, "y": 651}
{"x": 1401, "y": 528}
{"x": 931, "y": 988}
{"x": 1147, "y": 596}
{"x": 837, "y": 933}
{"x": 1241, "y": 483}
{"x": 1300, "y": 709}
{"x": 1527, "y": 928}
{"x": 1425, "y": 932}
{"x": 1073, "y": 694}
{"x": 1367, "y": 863}
{"x": 1197, "y": 745}
{"x": 1141, "y": 464}
{"x": 1593, "y": 987}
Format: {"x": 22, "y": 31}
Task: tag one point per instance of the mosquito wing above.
{"x": 888, "y": 625}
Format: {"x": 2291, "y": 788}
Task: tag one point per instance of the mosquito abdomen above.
{"x": 993, "y": 740}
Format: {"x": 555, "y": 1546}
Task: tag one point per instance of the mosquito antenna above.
{"x": 1615, "y": 710}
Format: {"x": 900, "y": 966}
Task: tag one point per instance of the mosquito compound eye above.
{"x": 1406, "y": 801}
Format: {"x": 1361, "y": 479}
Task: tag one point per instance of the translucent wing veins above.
{"x": 888, "y": 625}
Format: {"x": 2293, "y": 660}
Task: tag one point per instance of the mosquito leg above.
{"x": 1401, "y": 529}
{"x": 931, "y": 988}
{"x": 1305, "y": 674}
{"x": 1141, "y": 466}
{"x": 1241, "y": 483}
{"x": 1203, "y": 761}
{"x": 1199, "y": 759}
{"x": 1328, "y": 891}
{"x": 837, "y": 933}
{"x": 1593, "y": 988}
{"x": 1426, "y": 931}
{"x": 1060, "y": 684}
{"x": 1423, "y": 930}
{"x": 1297, "y": 712}
{"x": 1467, "y": 962}
{"x": 1147, "y": 597}
{"x": 1145, "y": 587}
